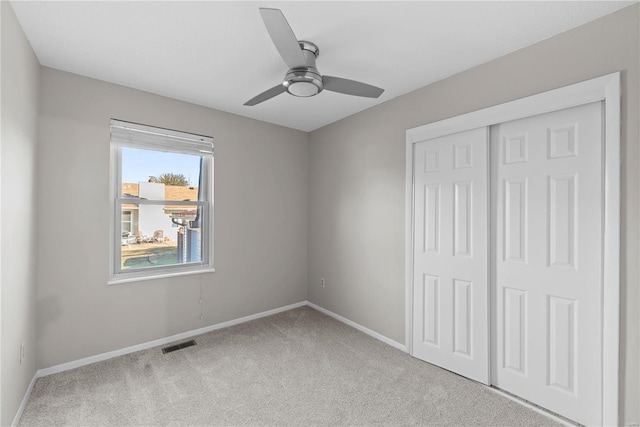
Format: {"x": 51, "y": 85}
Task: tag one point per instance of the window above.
{"x": 161, "y": 199}
{"x": 127, "y": 222}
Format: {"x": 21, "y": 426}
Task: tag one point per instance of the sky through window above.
{"x": 138, "y": 165}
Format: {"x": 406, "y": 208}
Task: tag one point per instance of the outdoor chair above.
{"x": 158, "y": 236}
{"x": 143, "y": 238}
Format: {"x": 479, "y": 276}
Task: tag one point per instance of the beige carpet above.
{"x": 296, "y": 368}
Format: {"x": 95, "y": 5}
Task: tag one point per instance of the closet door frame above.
{"x": 606, "y": 89}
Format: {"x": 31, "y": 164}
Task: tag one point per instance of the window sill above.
{"x": 117, "y": 281}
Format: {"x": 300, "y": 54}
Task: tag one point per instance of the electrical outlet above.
{"x": 21, "y": 353}
{"x": 322, "y": 283}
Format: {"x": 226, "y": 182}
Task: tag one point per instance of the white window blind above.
{"x": 127, "y": 134}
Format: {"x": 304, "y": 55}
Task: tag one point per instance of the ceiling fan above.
{"x": 303, "y": 78}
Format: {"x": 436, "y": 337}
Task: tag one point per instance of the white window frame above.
{"x": 126, "y": 134}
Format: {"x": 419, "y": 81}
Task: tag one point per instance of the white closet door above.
{"x": 548, "y": 203}
{"x": 450, "y": 290}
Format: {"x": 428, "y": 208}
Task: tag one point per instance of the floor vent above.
{"x": 178, "y": 346}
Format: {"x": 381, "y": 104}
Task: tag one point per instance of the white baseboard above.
{"x": 359, "y": 327}
{"x": 16, "y": 419}
{"x": 155, "y": 343}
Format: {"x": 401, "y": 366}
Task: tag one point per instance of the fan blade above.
{"x": 350, "y": 87}
{"x": 283, "y": 37}
{"x": 267, "y": 94}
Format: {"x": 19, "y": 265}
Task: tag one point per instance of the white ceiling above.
{"x": 219, "y": 54}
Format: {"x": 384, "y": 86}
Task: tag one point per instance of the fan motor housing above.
{"x": 307, "y": 81}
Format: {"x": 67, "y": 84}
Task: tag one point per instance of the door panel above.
{"x": 515, "y": 330}
{"x": 547, "y": 200}
{"x": 450, "y": 295}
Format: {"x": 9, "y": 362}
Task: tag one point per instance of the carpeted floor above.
{"x": 296, "y": 368}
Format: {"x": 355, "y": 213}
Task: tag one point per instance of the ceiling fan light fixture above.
{"x": 303, "y": 83}
{"x": 303, "y": 89}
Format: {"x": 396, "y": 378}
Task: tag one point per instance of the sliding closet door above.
{"x": 450, "y": 296}
{"x": 548, "y": 210}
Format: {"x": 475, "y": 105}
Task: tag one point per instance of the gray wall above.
{"x": 18, "y": 180}
{"x": 350, "y": 228}
{"x": 260, "y": 232}
{"x": 357, "y": 177}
